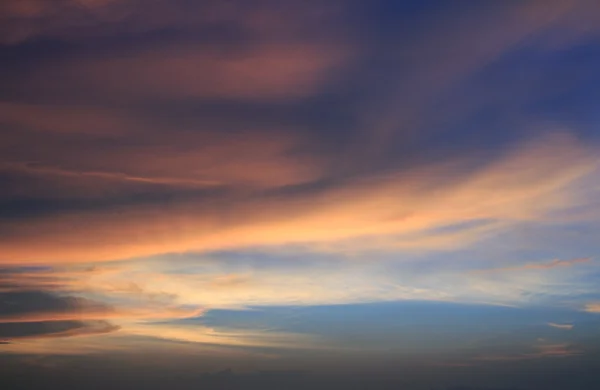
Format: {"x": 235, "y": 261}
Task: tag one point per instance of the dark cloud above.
{"x": 197, "y": 111}
{"x": 29, "y": 330}
{"x": 19, "y": 310}
{"x": 18, "y": 303}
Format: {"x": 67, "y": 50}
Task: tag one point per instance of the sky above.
{"x": 268, "y": 194}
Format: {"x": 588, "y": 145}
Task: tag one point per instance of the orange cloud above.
{"x": 52, "y": 296}
{"x": 593, "y": 307}
{"x": 409, "y": 210}
{"x": 86, "y": 314}
{"x": 149, "y": 290}
{"x": 41, "y": 170}
{"x": 71, "y": 279}
{"x": 267, "y": 71}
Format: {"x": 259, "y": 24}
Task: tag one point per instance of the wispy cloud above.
{"x": 106, "y": 314}
{"x": 35, "y": 313}
{"x": 593, "y": 307}
{"x": 388, "y": 211}
{"x": 561, "y": 326}
{"x": 541, "y": 351}
{"x": 557, "y": 263}
{"x": 146, "y": 144}
{"x": 263, "y": 72}
{"x": 242, "y": 338}
{"x": 184, "y": 286}
{"x": 108, "y": 176}
{"x": 54, "y": 330}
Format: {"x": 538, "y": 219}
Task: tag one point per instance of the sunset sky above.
{"x": 334, "y": 193}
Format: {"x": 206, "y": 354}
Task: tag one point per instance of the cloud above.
{"x": 37, "y": 314}
{"x": 134, "y": 129}
{"x": 407, "y": 210}
{"x": 159, "y": 162}
{"x": 52, "y": 279}
{"x": 75, "y": 20}
{"x": 233, "y": 337}
{"x": 558, "y": 350}
{"x": 180, "y": 71}
{"x": 30, "y": 19}
{"x": 31, "y": 319}
{"x": 90, "y": 314}
{"x": 214, "y": 51}
{"x": 194, "y": 158}
{"x": 542, "y": 351}
{"x": 557, "y": 263}
{"x": 191, "y": 284}
{"x": 159, "y": 291}
{"x": 593, "y": 307}
{"x": 561, "y": 326}
{"x": 54, "y": 329}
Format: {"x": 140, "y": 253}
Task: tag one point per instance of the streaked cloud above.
{"x": 389, "y": 211}
{"x": 264, "y": 72}
{"x": 561, "y": 326}
{"x": 557, "y": 263}
{"x": 593, "y": 307}
{"x": 198, "y": 334}
{"x": 90, "y": 314}
{"x": 75, "y": 20}
{"x": 37, "y": 314}
{"x": 280, "y": 182}
{"x": 542, "y": 351}
{"x": 41, "y": 314}
{"x": 184, "y": 286}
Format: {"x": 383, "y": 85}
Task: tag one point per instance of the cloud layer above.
{"x": 262, "y": 181}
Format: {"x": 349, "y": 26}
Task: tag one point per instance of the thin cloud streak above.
{"x": 561, "y": 326}
{"x": 556, "y": 263}
{"x": 112, "y": 176}
{"x": 90, "y": 314}
{"x": 181, "y": 179}
{"x": 152, "y": 285}
{"x": 88, "y": 328}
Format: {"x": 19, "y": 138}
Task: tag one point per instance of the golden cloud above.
{"x": 409, "y": 210}
{"x": 86, "y": 314}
